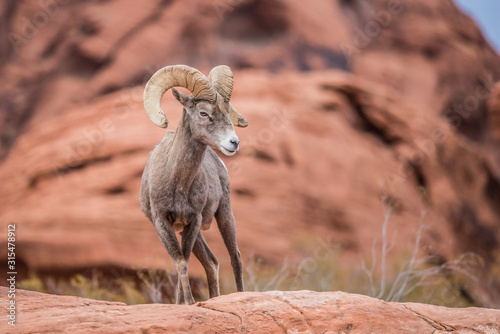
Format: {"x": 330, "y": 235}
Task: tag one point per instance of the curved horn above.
{"x": 174, "y": 76}
{"x": 221, "y": 78}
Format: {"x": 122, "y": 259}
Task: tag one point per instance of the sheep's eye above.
{"x": 203, "y": 114}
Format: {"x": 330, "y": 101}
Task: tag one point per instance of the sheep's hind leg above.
{"x": 169, "y": 240}
{"x": 209, "y": 263}
{"x": 227, "y": 228}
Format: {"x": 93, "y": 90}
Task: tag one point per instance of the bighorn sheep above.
{"x": 185, "y": 184}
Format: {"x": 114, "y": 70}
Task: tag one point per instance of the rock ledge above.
{"x": 248, "y": 312}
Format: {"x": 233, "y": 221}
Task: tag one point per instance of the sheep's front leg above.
{"x": 169, "y": 240}
{"x": 189, "y": 235}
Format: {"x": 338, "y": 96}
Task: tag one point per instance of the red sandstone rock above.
{"x": 321, "y": 148}
{"x": 427, "y": 51}
{"x": 494, "y": 112}
{"x": 248, "y": 312}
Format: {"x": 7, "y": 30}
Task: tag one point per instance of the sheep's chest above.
{"x": 200, "y": 203}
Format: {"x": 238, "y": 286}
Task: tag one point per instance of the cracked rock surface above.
{"x": 248, "y": 312}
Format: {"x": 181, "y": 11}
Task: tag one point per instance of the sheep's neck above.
{"x": 188, "y": 155}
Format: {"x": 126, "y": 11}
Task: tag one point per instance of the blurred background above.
{"x": 371, "y": 162}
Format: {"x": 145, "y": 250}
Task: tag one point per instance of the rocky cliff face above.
{"x": 60, "y": 53}
{"x": 248, "y": 312}
{"x": 348, "y": 101}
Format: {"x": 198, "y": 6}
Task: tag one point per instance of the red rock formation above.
{"x": 494, "y": 113}
{"x": 248, "y": 312}
{"x": 323, "y": 144}
{"x": 84, "y": 50}
{"x": 321, "y": 151}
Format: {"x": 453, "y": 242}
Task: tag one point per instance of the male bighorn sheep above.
{"x": 185, "y": 184}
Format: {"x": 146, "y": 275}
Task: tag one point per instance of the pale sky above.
{"x": 487, "y": 15}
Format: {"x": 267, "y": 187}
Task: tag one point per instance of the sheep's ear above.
{"x": 181, "y": 97}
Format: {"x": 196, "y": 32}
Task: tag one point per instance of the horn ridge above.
{"x": 174, "y": 76}
{"x": 221, "y": 78}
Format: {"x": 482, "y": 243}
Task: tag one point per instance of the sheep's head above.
{"x": 211, "y": 115}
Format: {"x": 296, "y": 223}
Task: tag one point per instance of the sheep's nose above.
{"x": 235, "y": 142}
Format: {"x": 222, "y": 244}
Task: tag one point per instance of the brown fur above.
{"x": 185, "y": 185}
